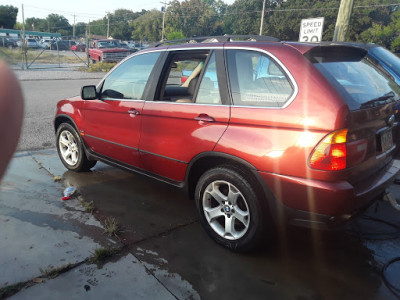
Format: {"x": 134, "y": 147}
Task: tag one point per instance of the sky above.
{"x": 84, "y": 10}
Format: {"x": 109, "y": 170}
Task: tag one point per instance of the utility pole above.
{"x": 262, "y": 18}
{"x": 108, "y": 25}
{"x": 163, "y": 9}
{"x": 343, "y": 19}
{"x": 73, "y": 31}
{"x": 23, "y": 41}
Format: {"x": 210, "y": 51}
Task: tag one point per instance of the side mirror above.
{"x": 89, "y": 92}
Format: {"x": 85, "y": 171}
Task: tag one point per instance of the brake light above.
{"x": 331, "y": 153}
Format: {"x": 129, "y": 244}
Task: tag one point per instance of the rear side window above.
{"x": 257, "y": 80}
{"x": 361, "y": 83}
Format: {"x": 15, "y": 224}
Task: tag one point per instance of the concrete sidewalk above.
{"x": 48, "y": 245}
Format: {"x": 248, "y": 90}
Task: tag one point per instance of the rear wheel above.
{"x": 70, "y": 149}
{"x": 229, "y": 209}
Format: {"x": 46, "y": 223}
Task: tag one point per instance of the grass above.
{"x": 11, "y": 289}
{"x": 16, "y": 55}
{"x": 98, "y": 67}
{"x": 89, "y": 206}
{"x": 54, "y": 272}
{"x": 101, "y": 255}
{"x": 111, "y": 227}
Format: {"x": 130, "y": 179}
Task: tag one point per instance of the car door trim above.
{"x": 107, "y": 141}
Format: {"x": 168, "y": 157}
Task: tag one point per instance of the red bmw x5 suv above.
{"x": 260, "y": 131}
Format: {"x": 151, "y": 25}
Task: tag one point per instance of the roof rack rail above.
{"x": 222, "y": 38}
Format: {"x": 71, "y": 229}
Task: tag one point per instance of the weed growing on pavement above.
{"x": 89, "y": 206}
{"x": 111, "y": 227}
{"x": 51, "y": 272}
{"x": 102, "y": 254}
{"x": 10, "y": 290}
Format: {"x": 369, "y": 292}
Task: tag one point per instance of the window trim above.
{"x": 165, "y": 52}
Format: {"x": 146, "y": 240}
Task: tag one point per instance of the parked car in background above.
{"x": 4, "y": 42}
{"x": 79, "y": 47}
{"x": 58, "y": 45}
{"x": 260, "y": 132}
{"x": 32, "y": 43}
{"x": 108, "y": 51}
{"x": 126, "y": 46}
{"x": 29, "y": 42}
{"x": 12, "y": 42}
{"x": 44, "y": 43}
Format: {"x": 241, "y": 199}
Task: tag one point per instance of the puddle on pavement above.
{"x": 302, "y": 264}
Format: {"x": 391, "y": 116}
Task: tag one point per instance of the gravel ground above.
{"x": 55, "y": 74}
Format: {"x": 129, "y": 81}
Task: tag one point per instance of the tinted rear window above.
{"x": 354, "y": 75}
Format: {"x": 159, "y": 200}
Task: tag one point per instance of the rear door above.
{"x": 185, "y": 119}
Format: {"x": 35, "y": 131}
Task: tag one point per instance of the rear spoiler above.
{"x": 320, "y": 54}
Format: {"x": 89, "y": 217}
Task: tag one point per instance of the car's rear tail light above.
{"x": 331, "y": 153}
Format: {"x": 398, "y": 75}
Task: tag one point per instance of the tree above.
{"x": 80, "y": 29}
{"x": 36, "y": 24}
{"x": 58, "y": 23}
{"x": 122, "y": 23}
{"x": 175, "y": 35}
{"x": 195, "y": 17}
{"x": 148, "y": 26}
{"x": 8, "y": 16}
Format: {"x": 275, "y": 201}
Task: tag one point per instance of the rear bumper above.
{"x": 312, "y": 203}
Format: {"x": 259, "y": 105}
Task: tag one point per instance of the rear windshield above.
{"x": 361, "y": 83}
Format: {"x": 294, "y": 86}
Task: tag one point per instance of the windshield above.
{"x": 388, "y": 58}
{"x": 109, "y": 44}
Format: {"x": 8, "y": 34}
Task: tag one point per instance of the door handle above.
{"x": 133, "y": 112}
{"x": 204, "y": 118}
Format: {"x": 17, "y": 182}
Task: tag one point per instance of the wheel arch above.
{"x": 63, "y": 118}
{"x": 208, "y": 160}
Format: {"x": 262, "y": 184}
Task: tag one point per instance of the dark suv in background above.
{"x": 259, "y": 132}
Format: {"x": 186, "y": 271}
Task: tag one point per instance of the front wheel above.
{"x": 70, "y": 149}
{"x": 230, "y": 209}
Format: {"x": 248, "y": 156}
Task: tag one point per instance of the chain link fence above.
{"x": 54, "y": 56}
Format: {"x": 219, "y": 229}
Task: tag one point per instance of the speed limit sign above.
{"x": 311, "y": 30}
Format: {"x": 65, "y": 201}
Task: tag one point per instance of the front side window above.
{"x": 257, "y": 80}
{"x": 130, "y": 78}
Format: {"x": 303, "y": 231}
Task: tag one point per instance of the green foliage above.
{"x": 98, "y": 67}
{"x": 56, "y": 23}
{"x": 8, "y": 16}
{"x": 148, "y": 26}
{"x": 36, "y": 24}
{"x": 175, "y": 35}
{"x": 196, "y": 17}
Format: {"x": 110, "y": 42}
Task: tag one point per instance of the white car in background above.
{"x": 44, "y": 43}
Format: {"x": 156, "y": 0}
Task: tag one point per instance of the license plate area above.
{"x": 385, "y": 140}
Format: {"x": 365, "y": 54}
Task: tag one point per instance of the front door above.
{"x": 112, "y": 123}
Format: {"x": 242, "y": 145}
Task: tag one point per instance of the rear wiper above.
{"x": 375, "y": 102}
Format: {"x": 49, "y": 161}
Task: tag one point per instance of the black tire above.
{"x": 70, "y": 149}
{"x": 214, "y": 213}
